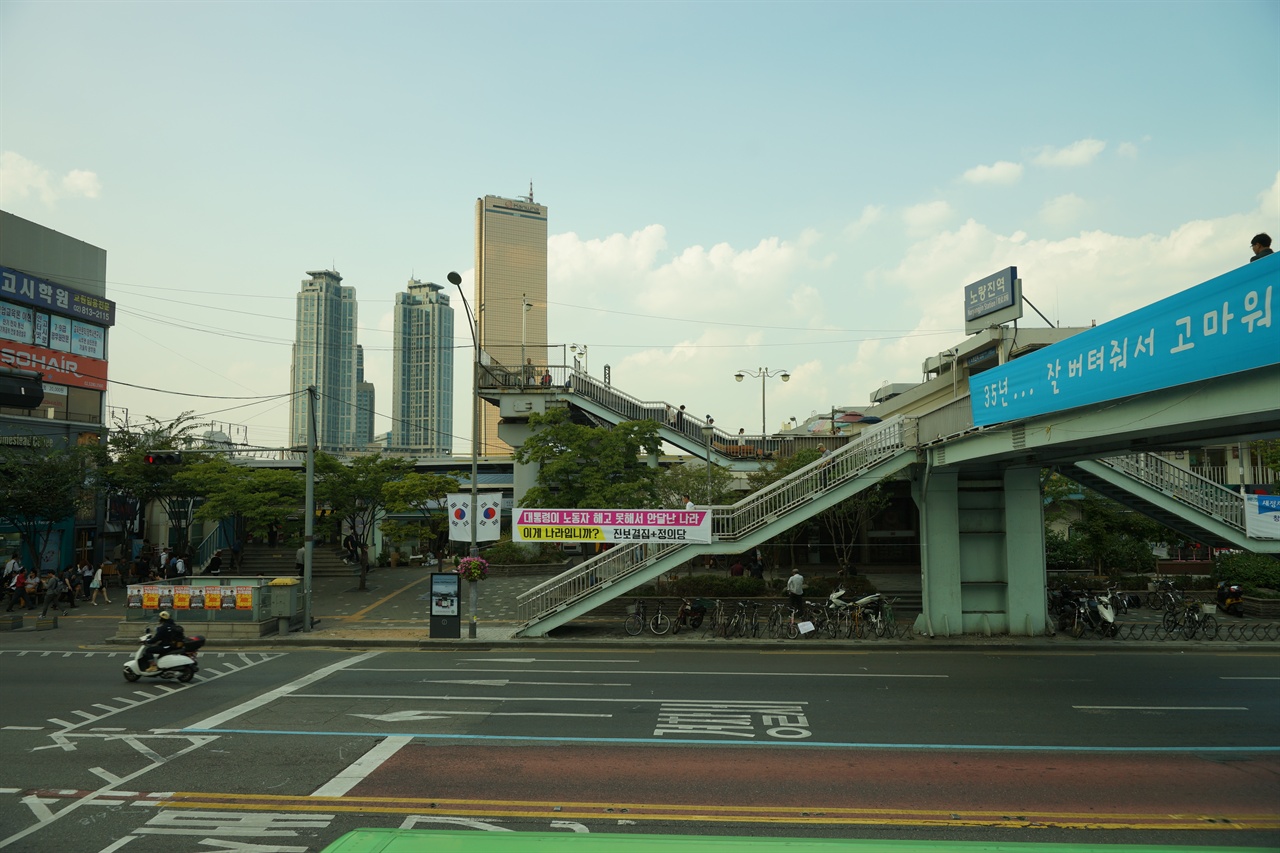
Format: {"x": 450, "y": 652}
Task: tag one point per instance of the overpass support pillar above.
{"x": 937, "y": 495}
{"x": 1024, "y": 551}
{"x": 524, "y": 476}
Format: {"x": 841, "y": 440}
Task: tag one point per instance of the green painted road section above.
{"x": 445, "y": 841}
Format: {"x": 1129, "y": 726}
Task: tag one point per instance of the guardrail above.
{"x": 728, "y": 523}
{"x": 1197, "y": 492}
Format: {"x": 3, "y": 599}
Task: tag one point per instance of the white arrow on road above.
{"x": 413, "y": 716}
{"x": 503, "y": 682}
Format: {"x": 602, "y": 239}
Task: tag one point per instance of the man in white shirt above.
{"x": 179, "y": 567}
{"x": 795, "y": 590}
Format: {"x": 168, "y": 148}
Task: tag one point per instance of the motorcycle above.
{"x": 1094, "y": 614}
{"x": 689, "y": 615}
{"x": 1231, "y": 598}
{"x": 178, "y": 662}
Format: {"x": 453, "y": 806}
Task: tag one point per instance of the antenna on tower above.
{"x": 529, "y": 197}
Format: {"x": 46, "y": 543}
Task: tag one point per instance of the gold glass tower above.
{"x": 511, "y": 293}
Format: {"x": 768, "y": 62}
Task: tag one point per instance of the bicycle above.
{"x": 1190, "y": 621}
{"x": 635, "y": 620}
{"x": 661, "y": 622}
{"x": 715, "y": 617}
{"x": 776, "y": 620}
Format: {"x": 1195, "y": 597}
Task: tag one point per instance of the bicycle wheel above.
{"x": 660, "y": 623}
{"x": 695, "y": 621}
{"x": 1077, "y": 628}
{"x": 775, "y": 625}
{"x": 793, "y": 630}
{"x": 1169, "y": 622}
{"x": 1210, "y": 628}
{"x": 634, "y": 624}
{"x": 675, "y": 623}
{"x": 1153, "y": 600}
{"x": 890, "y": 622}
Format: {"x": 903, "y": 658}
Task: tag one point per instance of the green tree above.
{"x": 1266, "y": 452}
{"x": 691, "y": 479}
{"x": 354, "y": 491}
{"x": 129, "y": 475}
{"x": 1104, "y": 536}
{"x": 423, "y": 495}
{"x": 43, "y": 487}
{"x": 260, "y": 496}
{"x": 583, "y": 466}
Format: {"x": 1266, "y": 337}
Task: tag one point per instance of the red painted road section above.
{"x": 1013, "y": 783}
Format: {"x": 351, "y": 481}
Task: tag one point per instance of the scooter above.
{"x": 1231, "y": 598}
{"x": 179, "y": 663}
{"x": 1095, "y": 614}
{"x": 689, "y": 615}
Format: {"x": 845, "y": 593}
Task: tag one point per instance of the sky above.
{"x": 796, "y": 186}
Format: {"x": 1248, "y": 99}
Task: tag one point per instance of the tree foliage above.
{"x": 1104, "y": 537}
{"x": 261, "y": 496}
{"x": 355, "y": 490}
{"x": 129, "y": 475}
{"x": 43, "y": 487}
{"x": 423, "y": 495}
{"x": 691, "y": 479}
{"x": 583, "y": 466}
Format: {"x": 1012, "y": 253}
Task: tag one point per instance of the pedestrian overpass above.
{"x": 976, "y": 479}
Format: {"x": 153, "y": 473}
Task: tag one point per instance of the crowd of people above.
{"x": 27, "y": 588}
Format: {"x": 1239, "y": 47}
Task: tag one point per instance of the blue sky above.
{"x": 805, "y": 186}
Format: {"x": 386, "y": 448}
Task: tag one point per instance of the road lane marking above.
{"x": 407, "y": 716}
{"x": 278, "y": 693}
{"x": 545, "y": 660}
{"x": 355, "y": 773}
{"x": 1157, "y": 708}
{"x": 1250, "y": 677}
{"x": 502, "y": 682}
{"x": 714, "y": 703}
{"x": 695, "y": 673}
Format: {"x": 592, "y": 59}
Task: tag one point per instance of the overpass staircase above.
{"x": 1194, "y": 506}
{"x": 602, "y": 404}
{"x": 879, "y": 453}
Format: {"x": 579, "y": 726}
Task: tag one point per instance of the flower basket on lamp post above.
{"x": 473, "y": 569}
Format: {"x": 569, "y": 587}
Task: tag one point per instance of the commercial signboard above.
{"x": 57, "y": 367}
{"x": 611, "y": 525}
{"x": 19, "y": 287}
{"x": 1262, "y": 516}
{"x": 1216, "y": 328}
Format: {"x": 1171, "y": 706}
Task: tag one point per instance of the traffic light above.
{"x": 163, "y": 457}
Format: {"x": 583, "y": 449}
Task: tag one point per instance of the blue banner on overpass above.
{"x": 1222, "y": 326}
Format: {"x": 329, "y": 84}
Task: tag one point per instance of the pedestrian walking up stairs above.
{"x": 1194, "y": 506}
{"x": 878, "y": 453}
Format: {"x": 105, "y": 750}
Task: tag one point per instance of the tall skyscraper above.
{"x": 422, "y": 373}
{"x": 511, "y": 292}
{"x": 365, "y": 402}
{"x": 324, "y": 355}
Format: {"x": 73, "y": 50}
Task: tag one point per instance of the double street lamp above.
{"x": 708, "y": 431}
{"x": 762, "y": 373}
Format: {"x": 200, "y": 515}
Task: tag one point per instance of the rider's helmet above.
{"x": 164, "y": 616}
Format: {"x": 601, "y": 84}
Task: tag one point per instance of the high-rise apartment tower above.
{"x": 422, "y": 374}
{"x": 511, "y": 292}
{"x": 324, "y": 355}
{"x": 366, "y": 400}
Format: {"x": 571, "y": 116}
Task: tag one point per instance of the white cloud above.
{"x": 1080, "y": 153}
{"x": 1002, "y": 172}
{"x": 927, "y": 216}
{"x": 871, "y": 214}
{"x": 1127, "y": 150}
{"x": 1065, "y": 210}
{"x": 21, "y": 178}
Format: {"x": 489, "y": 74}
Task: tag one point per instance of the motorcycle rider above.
{"x": 167, "y": 635}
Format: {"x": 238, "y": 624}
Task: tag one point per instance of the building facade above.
{"x": 422, "y": 372}
{"x": 366, "y": 400}
{"x": 324, "y": 355}
{"x": 511, "y": 293}
{"x": 54, "y": 321}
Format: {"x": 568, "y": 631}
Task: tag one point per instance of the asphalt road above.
{"x": 270, "y": 751}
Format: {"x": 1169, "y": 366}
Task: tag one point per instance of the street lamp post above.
{"x": 456, "y": 280}
{"x": 708, "y": 430}
{"x": 579, "y": 350}
{"x": 762, "y": 373}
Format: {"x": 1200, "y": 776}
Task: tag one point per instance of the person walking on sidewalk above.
{"x": 300, "y": 560}
{"x": 54, "y": 588}
{"x": 97, "y": 587}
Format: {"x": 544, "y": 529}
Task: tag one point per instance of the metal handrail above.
{"x": 1186, "y": 487}
{"x": 210, "y": 545}
{"x": 728, "y": 523}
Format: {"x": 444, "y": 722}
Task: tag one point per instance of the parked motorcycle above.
{"x": 1231, "y": 598}
{"x": 178, "y": 662}
{"x": 1094, "y": 614}
{"x": 690, "y": 615}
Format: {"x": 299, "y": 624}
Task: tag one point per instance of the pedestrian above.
{"x": 12, "y": 567}
{"x": 18, "y": 590}
{"x": 54, "y": 588}
{"x": 688, "y": 502}
{"x": 736, "y": 570}
{"x": 71, "y": 579}
{"x": 546, "y": 379}
{"x": 300, "y": 560}
{"x": 273, "y": 534}
{"x": 1261, "y": 246}
{"x": 680, "y": 419}
{"x": 98, "y": 587}
{"x": 86, "y": 577}
{"x": 179, "y": 567}
{"x": 215, "y": 564}
{"x": 795, "y": 590}
{"x": 825, "y": 464}
{"x": 349, "y": 556}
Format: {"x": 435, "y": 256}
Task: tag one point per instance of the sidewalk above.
{"x": 394, "y": 613}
